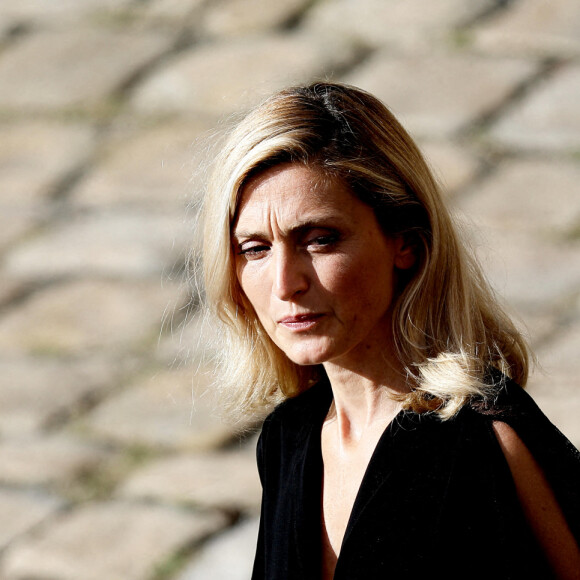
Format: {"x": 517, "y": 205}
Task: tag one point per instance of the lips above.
{"x": 300, "y": 321}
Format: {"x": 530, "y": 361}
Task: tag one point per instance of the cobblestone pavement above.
{"x": 107, "y": 469}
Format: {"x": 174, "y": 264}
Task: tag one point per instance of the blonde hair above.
{"x": 448, "y": 328}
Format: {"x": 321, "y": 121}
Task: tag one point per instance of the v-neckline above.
{"x": 313, "y": 476}
{"x": 362, "y": 498}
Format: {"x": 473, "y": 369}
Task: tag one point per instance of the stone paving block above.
{"x": 547, "y": 119}
{"x": 93, "y": 48}
{"x": 35, "y": 155}
{"x": 534, "y": 195}
{"x": 222, "y": 78}
{"x": 172, "y": 409}
{"x": 15, "y": 223}
{"x": 526, "y": 270}
{"x": 446, "y": 91}
{"x": 454, "y": 166}
{"x": 113, "y": 541}
{"x": 402, "y": 23}
{"x": 150, "y": 169}
{"x": 19, "y": 512}
{"x": 47, "y": 460}
{"x": 230, "y": 556}
{"x": 39, "y": 392}
{"x": 171, "y": 11}
{"x": 228, "y": 18}
{"x": 11, "y": 290}
{"x": 127, "y": 243}
{"x": 87, "y": 316}
{"x": 60, "y": 14}
{"x": 560, "y": 363}
{"x": 73, "y": 68}
{"x": 533, "y": 27}
{"x": 226, "y": 480}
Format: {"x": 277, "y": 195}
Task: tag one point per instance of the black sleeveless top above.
{"x": 437, "y": 498}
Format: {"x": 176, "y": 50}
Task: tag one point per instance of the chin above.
{"x": 308, "y": 355}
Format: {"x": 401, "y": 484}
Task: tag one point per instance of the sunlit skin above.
{"x": 320, "y": 274}
{"x": 321, "y": 277}
{"x": 316, "y": 267}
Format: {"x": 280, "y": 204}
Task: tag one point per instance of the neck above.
{"x": 368, "y": 383}
{"x": 364, "y": 399}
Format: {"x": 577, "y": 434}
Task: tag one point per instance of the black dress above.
{"x": 437, "y": 499}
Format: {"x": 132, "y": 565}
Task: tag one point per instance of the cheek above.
{"x": 357, "y": 276}
{"x": 252, "y": 286}
{"x": 365, "y": 285}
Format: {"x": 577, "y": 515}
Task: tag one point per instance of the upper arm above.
{"x": 539, "y": 504}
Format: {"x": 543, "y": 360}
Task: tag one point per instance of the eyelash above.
{"x": 323, "y": 241}
{"x": 326, "y": 240}
{"x": 252, "y": 250}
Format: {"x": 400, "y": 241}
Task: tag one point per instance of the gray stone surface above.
{"x": 35, "y": 155}
{"x": 227, "y": 18}
{"x": 171, "y": 409}
{"x": 38, "y": 392}
{"x": 249, "y": 70}
{"x": 74, "y": 68}
{"x": 116, "y": 541}
{"x": 88, "y": 316}
{"x": 172, "y": 11}
{"x": 526, "y": 270}
{"x": 11, "y": 290}
{"x": 227, "y": 479}
{"x": 560, "y": 364}
{"x": 523, "y": 220}
{"x": 533, "y": 27}
{"x": 151, "y": 168}
{"x": 47, "y": 461}
{"x": 109, "y": 113}
{"x": 227, "y": 557}
{"x": 548, "y": 119}
{"x": 112, "y": 243}
{"x": 58, "y": 13}
{"x": 15, "y": 224}
{"x": 21, "y": 511}
{"x": 410, "y": 24}
{"x": 447, "y": 90}
{"x": 540, "y": 197}
{"x": 453, "y": 165}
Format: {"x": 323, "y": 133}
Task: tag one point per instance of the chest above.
{"x": 343, "y": 471}
{"x": 392, "y": 515}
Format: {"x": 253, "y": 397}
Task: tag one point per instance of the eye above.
{"x": 252, "y": 250}
{"x": 322, "y": 239}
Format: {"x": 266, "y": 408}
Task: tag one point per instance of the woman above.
{"x": 401, "y": 442}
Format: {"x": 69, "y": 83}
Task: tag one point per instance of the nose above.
{"x": 289, "y": 274}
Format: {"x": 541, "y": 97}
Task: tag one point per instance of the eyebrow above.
{"x": 299, "y": 227}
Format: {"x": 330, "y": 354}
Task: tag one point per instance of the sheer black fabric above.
{"x": 437, "y": 496}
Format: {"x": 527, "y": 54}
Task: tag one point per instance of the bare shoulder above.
{"x": 540, "y": 505}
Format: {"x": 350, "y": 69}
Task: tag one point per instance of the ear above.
{"x": 405, "y": 252}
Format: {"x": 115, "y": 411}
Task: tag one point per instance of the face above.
{"x": 315, "y": 265}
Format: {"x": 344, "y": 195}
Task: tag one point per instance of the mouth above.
{"x": 300, "y": 321}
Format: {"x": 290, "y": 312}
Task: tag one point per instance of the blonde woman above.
{"x": 401, "y": 440}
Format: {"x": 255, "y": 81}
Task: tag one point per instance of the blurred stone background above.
{"x": 112, "y": 464}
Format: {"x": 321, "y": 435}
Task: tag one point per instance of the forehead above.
{"x": 293, "y": 191}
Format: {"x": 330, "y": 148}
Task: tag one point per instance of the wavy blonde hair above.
{"x": 448, "y": 328}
